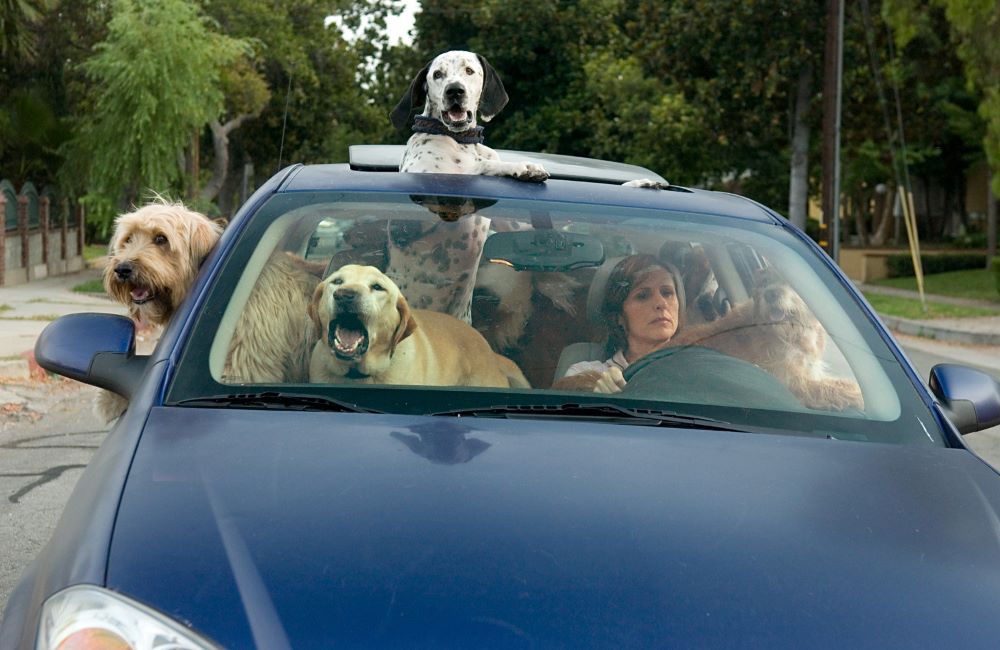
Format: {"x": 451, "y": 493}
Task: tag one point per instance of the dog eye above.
{"x": 377, "y": 287}
{"x": 438, "y": 74}
{"x": 160, "y": 240}
{"x": 470, "y": 71}
{"x": 337, "y": 281}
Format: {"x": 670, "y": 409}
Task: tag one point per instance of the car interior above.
{"x": 543, "y": 271}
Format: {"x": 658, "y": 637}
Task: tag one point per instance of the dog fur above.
{"x": 274, "y": 335}
{"x": 153, "y": 256}
{"x": 777, "y": 331}
{"x": 155, "y": 253}
{"x": 456, "y": 89}
{"x": 368, "y": 334}
{"x": 774, "y": 330}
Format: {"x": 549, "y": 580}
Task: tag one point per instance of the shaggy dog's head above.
{"x": 777, "y": 303}
{"x": 361, "y": 316}
{"x": 154, "y": 255}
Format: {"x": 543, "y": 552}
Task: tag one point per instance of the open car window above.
{"x": 418, "y": 304}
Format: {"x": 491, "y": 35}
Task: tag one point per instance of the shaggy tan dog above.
{"x": 774, "y": 330}
{"x": 274, "y": 335}
{"x": 368, "y": 334}
{"x": 154, "y": 255}
{"x": 777, "y": 331}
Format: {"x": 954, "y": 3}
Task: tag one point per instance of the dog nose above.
{"x": 454, "y": 91}
{"x": 123, "y": 271}
{"x": 345, "y": 294}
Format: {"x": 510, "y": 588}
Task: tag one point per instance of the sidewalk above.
{"x": 26, "y": 309}
{"x": 979, "y": 330}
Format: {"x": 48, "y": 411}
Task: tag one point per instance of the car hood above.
{"x": 276, "y": 529}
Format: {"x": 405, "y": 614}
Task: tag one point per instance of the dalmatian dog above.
{"x": 437, "y": 269}
{"x": 454, "y": 90}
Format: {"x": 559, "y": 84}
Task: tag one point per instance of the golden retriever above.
{"x": 774, "y": 330}
{"x": 368, "y": 334}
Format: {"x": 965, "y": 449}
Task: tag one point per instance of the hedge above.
{"x": 996, "y": 271}
{"x": 901, "y": 265}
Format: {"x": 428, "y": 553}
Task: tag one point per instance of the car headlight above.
{"x": 85, "y": 617}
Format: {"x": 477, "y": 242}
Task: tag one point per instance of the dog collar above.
{"x": 424, "y": 124}
{"x": 354, "y": 373}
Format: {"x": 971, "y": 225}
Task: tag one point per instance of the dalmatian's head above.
{"x": 455, "y": 88}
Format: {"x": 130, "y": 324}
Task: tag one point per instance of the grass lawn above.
{"x": 90, "y": 286}
{"x": 910, "y": 308}
{"x": 93, "y": 251}
{"x": 979, "y": 284}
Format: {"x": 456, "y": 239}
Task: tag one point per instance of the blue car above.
{"x": 770, "y": 472}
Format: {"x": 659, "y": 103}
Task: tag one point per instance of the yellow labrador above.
{"x": 369, "y": 334}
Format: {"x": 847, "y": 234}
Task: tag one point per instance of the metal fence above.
{"x": 42, "y": 234}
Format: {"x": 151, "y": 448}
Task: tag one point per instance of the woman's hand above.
{"x": 610, "y": 381}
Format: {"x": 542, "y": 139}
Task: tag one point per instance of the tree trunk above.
{"x": 991, "y": 220}
{"x": 798, "y": 185}
{"x": 220, "y": 145}
{"x": 192, "y": 167}
{"x": 884, "y": 203}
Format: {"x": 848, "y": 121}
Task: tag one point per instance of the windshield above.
{"x": 421, "y": 304}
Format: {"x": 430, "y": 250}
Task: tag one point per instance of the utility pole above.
{"x": 833, "y": 67}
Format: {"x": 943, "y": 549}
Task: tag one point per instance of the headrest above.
{"x": 599, "y": 287}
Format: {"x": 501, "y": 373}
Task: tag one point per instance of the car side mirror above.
{"x": 970, "y": 397}
{"x": 96, "y": 349}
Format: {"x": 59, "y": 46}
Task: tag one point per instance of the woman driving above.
{"x": 643, "y": 309}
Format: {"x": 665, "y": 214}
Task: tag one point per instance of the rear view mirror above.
{"x": 971, "y": 397}
{"x": 96, "y": 349}
{"x": 543, "y": 250}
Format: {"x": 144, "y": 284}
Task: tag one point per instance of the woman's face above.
{"x": 649, "y": 313}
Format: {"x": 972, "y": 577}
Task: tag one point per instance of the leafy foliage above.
{"x": 147, "y": 96}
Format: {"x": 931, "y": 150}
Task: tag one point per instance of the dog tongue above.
{"x": 348, "y": 339}
{"x": 140, "y": 293}
{"x": 456, "y": 114}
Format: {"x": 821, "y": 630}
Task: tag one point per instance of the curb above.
{"x": 928, "y": 330}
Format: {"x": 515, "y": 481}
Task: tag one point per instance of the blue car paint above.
{"x": 603, "y": 535}
{"x": 381, "y": 531}
{"x": 77, "y": 552}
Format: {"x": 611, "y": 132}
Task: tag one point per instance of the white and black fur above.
{"x": 456, "y": 89}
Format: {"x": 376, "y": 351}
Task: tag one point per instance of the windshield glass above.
{"x": 421, "y": 304}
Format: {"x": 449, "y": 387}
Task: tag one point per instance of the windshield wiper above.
{"x": 646, "y": 417}
{"x": 280, "y": 401}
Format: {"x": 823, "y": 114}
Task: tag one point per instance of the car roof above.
{"x": 375, "y": 176}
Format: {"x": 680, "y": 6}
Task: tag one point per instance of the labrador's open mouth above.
{"x": 347, "y": 337}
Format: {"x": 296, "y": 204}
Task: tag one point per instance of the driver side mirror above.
{"x": 96, "y": 349}
{"x": 971, "y": 398}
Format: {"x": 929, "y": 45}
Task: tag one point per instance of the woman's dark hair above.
{"x": 629, "y": 272}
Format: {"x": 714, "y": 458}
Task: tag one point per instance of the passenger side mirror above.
{"x": 96, "y": 349}
{"x": 970, "y": 397}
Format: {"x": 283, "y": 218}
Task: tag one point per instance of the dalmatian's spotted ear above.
{"x": 494, "y": 96}
{"x": 413, "y": 100}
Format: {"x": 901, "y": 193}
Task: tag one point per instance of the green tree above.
{"x": 320, "y": 84}
{"x": 147, "y": 96}
{"x": 17, "y": 18}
